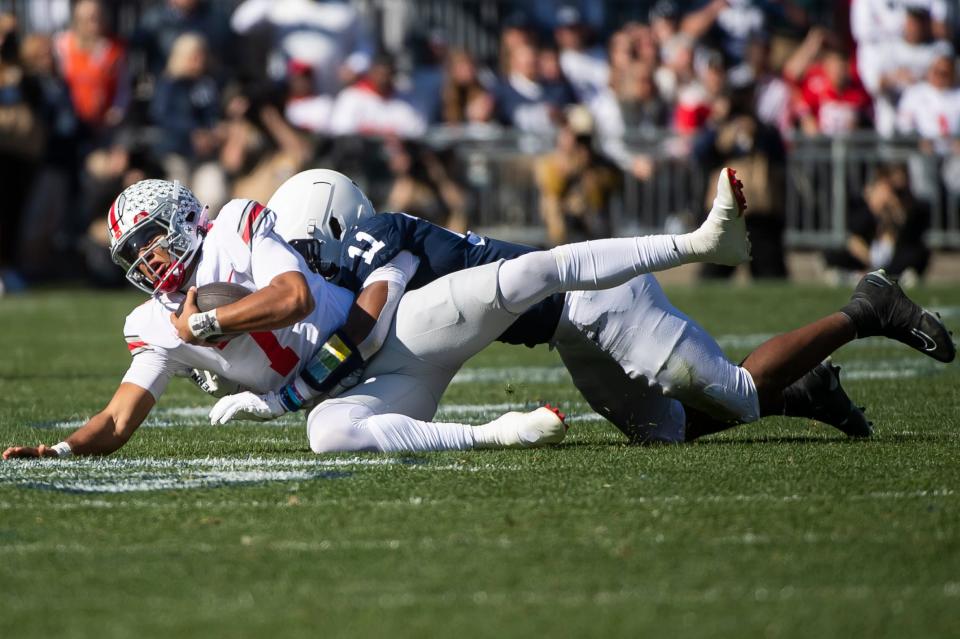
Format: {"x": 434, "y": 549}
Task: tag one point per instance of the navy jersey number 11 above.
{"x": 378, "y": 239}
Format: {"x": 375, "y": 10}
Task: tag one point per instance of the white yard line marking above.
{"x": 112, "y": 475}
{"x": 853, "y": 370}
{"x": 525, "y": 374}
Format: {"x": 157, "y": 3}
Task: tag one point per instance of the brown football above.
{"x": 215, "y": 295}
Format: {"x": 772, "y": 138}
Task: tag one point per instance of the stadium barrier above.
{"x": 823, "y": 175}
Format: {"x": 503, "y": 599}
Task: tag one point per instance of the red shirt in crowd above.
{"x": 837, "y": 110}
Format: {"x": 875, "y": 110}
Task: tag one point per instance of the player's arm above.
{"x": 282, "y": 300}
{"x": 342, "y": 355}
{"x": 104, "y": 433}
{"x": 372, "y": 313}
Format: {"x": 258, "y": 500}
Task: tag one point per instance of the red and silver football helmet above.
{"x": 156, "y": 214}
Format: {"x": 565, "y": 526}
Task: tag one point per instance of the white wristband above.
{"x": 62, "y": 449}
{"x": 203, "y": 325}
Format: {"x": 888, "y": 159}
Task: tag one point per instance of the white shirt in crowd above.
{"x": 361, "y": 110}
{"x": 587, "y": 71}
{"x": 931, "y": 113}
{"x": 310, "y": 113}
{"x": 324, "y": 35}
{"x": 879, "y": 21}
{"x": 877, "y": 27}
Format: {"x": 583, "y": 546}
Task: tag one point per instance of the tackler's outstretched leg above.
{"x": 602, "y": 264}
{"x": 441, "y": 325}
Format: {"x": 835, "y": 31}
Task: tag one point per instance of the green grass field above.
{"x": 778, "y": 529}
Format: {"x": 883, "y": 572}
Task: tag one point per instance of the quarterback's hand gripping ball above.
{"x": 201, "y": 300}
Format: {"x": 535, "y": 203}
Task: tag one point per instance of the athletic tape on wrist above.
{"x": 62, "y": 449}
{"x": 203, "y": 325}
{"x": 290, "y": 398}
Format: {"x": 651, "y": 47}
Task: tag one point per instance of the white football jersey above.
{"x": 241, "y": 247}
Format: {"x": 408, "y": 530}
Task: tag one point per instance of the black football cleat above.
{"x": 879, "y": 306}
{"x": 818, "y": 395}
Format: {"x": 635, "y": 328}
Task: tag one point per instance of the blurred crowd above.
{"x": 232, "y": 97}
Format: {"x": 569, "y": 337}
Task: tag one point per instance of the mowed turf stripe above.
{"x": 120, "y": 475}
{"x": 852, "y": 370}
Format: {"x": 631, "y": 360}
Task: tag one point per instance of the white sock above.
{"x": 584, "y": 266}
{"x": 395, "y": 433}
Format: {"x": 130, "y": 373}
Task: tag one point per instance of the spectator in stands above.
{"x": 677, "y": 69}
{"x": 550, "y": 72}
{"x": 186, "y": 108}
{"x": 899, "y": 64}
{"x": 640, "y": 104}
{"x": 21, "y": 147}
{"x": 631, "y": 108}
{"x": 696, "y": 99}
{"x": 305, "y": 108}
{"x": 261, "y": 150}
{"x": 736, "y": 138}
{"x": 372, "y": 106}
{"x": 423, "y": 185}
{"x": 772, "y": 92}
{"x": 643, "y": 44}
{"x": 515, "y": 32}
{"x": 326, "y": 35}
{"x": 523, "y": 101}
{"x": 94, "y": 65}
{"x": 885, "y": 229}
{"x": 54, "y": 184}
{"x": 427, "y": 77}
{"x": 664, "y": 20}
{"x": 44, "y": 16}
{"x": 162, "y": 24}
{"x": 584, "y": 64}
{"x": 463, "y": 97}
{"x": 575, "y": 183}
{"x": 832, "y": 100}
{"x": 620, "y": 51}
{"x": 931, "y": 109}
{"x": 878, "y": 24}
{"x": 733, "y": 22}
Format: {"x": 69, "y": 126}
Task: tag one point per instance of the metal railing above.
{"x": 823, "y": 176}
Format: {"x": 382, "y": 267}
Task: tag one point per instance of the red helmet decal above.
{"x": 114, "y": 222}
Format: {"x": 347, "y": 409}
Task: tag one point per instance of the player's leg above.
{"x": 784, "y": 359}
{"x": 641, "y": 412}
{"x": 345, "y": 426}
{"x": 878, "y": 306}
{"x": 659, "y": 350}
{"x": 655, "y": 350}
{"x": 603, "y": 264}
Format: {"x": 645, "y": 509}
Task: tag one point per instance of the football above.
{"x": 215, "y": 295}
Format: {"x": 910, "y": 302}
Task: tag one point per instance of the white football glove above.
{"x": 247, "y": 405}
{"x": 212, "y": 384}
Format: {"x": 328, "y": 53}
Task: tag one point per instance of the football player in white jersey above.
{"x": 287, "y": 347}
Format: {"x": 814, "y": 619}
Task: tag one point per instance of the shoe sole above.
{"x": 737, "y": 187}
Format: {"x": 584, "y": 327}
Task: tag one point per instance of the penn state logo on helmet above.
{"x": 156, "y": 214}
